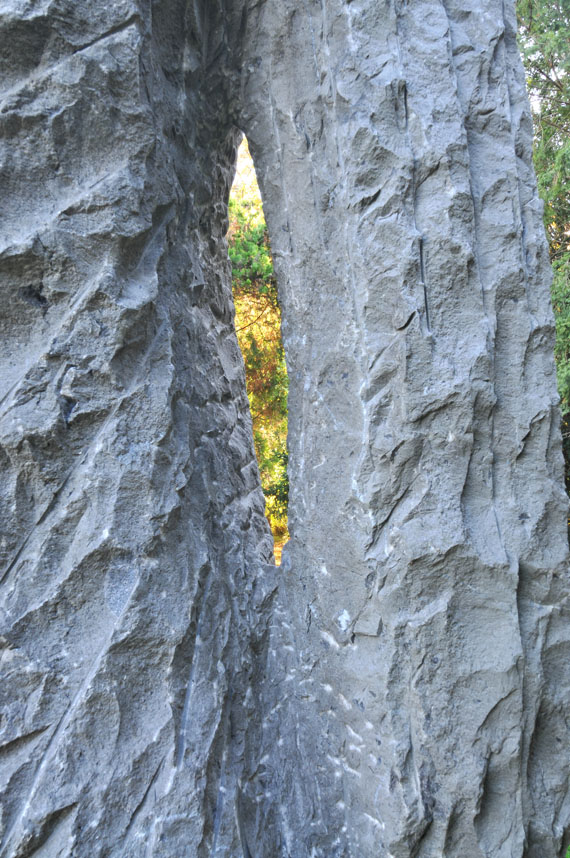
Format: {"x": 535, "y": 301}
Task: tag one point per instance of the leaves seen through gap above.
{"x": 258, "y": 328}
{"x": 544, "y": 40}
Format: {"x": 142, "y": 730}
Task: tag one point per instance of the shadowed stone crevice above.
{"x": 400, "y": 686}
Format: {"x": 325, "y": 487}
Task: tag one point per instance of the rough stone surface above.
{"x": 400, "y": 687}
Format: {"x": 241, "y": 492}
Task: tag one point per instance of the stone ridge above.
{"x": 400, "y": 688}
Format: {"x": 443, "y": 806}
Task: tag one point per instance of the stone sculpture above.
{"x": 399, "y": 687}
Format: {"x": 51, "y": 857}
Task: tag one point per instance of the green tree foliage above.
{"x": 544, "y": 38}
{"x": 258, "y": 328}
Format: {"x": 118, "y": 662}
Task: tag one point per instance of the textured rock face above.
{"x": 400, "y": 687}
{"x": 427, "y": 565}
{"x": 133, "y": 520}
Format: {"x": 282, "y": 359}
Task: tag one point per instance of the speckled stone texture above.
{"x": 400, "y": 687}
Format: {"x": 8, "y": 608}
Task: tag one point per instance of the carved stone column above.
{"x": 133, "y": 527}
{"x": 423, "y": 625}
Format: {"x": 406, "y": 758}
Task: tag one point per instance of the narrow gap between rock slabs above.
{"x": 258, "y": 329}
